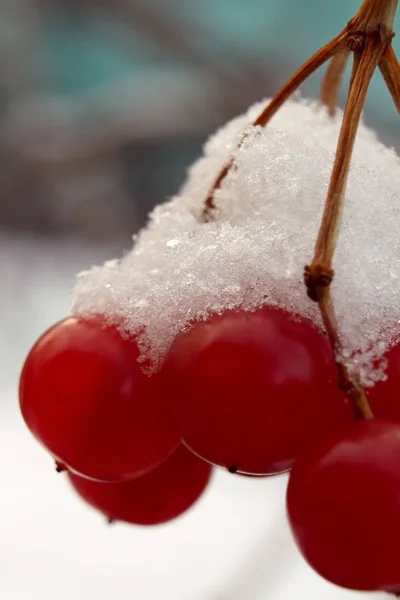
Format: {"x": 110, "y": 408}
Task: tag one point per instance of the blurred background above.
{"x": 103, "y": 106}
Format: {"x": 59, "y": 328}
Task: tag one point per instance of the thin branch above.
{"x": 390, "y": 69}
{"x": 332, "y": 81}
{"x": 326, "y": 242}
{"x": 319, "y": 275}
{"x": 358, "y": 399}
{"x": 316, "y": 61}
{"x": 299, "y": 77}
{"x": 356, "y": 62}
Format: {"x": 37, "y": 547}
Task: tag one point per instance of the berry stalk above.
{"x": 318, "y": 276}
{"x": 390, "y": 70}
{"x": 307, "y": 69}
{"x": 368, "y": 37}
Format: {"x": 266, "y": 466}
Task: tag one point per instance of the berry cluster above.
{"x": 248, "y": 391}
{"x": 237, "y": 376}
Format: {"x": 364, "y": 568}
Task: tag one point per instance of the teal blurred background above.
{"x": 104, "y": 104}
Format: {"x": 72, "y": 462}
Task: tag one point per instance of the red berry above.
{"x": 384, "y": 397}
{"x": 161, "y": 495}
{"x": 83, "y": 395}
{"x": 249, "y": 389}
{"x": 343, "y": 503}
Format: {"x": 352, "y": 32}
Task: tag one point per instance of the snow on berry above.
{"x": 254, "y": 252}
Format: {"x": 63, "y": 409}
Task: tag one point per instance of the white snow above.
{"x": 254, "y": 253}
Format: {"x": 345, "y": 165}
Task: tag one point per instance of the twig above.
{"x": 316, "y": 61}
{"x": 374, "y": 48}
{"x": 390, "y": 69}
{"x": 332, "y": 80}
{"x": 318, "y": 276}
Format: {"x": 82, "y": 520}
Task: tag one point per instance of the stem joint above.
{"x": 317, "y": 279}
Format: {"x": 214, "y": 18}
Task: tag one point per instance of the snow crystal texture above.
{"x": 269, "y": 210}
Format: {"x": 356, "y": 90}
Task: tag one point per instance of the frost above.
{"x": 269, "y": 209}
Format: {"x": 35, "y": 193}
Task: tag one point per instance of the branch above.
{"x": 390, "y": 69}
{"x": 333, "y": 78}
{"x": 316, "y": 61}
{"x": 318, "y": 276}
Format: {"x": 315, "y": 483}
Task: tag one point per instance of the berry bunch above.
{"x": 228, "y": 388}
{"x": 253, "y": 386}
{"x": 84, "y": 396}
{"x": 248, "y": 391}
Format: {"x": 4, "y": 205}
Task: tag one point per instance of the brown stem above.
{"x": 286, "y": 91}
{"x": 332, "y": 80}
{"x": 318, "y": 276}
{"x": 390, "y": 69}
{"x": 358, "y": 399}
{"x": 299, "y": 77}
{"x": 375, "y": 45}
{"x": 356, "y": 62}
